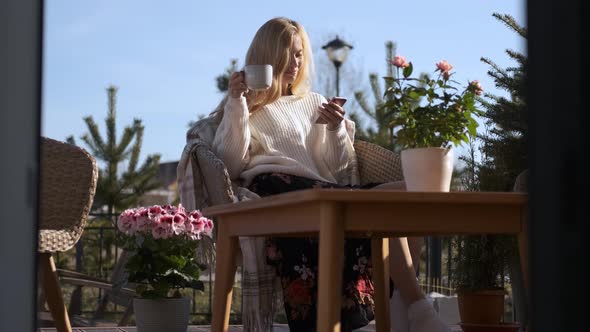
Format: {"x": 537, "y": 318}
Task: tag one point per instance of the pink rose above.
{"x": 475, "y": 87}
{"x": 444, "y": 66}
{"x": 399, "y": 61}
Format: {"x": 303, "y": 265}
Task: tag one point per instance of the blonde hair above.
{"x": 272, "y": 45}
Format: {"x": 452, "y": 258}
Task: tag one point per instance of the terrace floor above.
{"x": 201, "y": 328}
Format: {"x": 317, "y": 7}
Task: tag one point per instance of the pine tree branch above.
{"x": 510, "y": 22}
{"x": 93, "y": 139}
{"x": 136, "y": 149}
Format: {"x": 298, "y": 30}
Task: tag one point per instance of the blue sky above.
{"x": 164, "y": 57}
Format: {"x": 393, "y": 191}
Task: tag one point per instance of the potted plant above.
{"x": 161, "y": 242}
{"x": 430, "y": 115}
{"x": 478, "y": 269}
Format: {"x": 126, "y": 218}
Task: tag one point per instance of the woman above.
{"x": 270, "y": 142}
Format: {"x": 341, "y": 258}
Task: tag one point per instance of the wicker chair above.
{"x": 213, "y": 185}
{"x": 68, "y": 183}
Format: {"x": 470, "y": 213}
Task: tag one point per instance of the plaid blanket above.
{"x": 260, "y": 286}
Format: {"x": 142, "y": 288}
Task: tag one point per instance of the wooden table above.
{"x": 376, "y": 214}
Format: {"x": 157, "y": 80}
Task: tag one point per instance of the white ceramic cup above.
{"x": 258, "y": 77}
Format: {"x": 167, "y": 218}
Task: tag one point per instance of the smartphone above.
{"x": 338, "y": 100}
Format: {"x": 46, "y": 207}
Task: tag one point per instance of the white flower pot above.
{"x": 156, "y": 315}
{"x": 427, "y": 169}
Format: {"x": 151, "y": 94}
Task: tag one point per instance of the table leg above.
{"x": 380, "y": 260}
{"x": 330, "y": 267}
{"x": 225, "y": 271}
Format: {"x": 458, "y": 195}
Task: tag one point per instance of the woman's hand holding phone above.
{"x": 332, "y": 113}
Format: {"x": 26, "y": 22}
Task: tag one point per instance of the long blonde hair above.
{"x": 272, "y": 45}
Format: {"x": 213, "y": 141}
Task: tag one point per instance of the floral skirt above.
{"x": 296, "y": 263}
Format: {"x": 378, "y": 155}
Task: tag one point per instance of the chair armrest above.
{"x": 73, "y": 274}
{"x": 81, "y": 279}
{"x": 377, "y": 164}
{"x": 211, "y": 180}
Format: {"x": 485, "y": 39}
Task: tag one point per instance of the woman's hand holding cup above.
{"x": 237, "y": 85}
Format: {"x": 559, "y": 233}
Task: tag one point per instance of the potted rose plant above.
{"x": 429, "y": 116}
{"x": 161, "y": 242}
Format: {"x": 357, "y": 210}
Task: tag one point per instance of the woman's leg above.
{"x": 402, "y": 270}
{"x": 411, "y": 311}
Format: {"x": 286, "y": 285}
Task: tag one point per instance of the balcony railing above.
{"x": 97, "y": 252}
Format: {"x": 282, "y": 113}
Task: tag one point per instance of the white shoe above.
{"x": 423, "y": 318}
{"x": 398, "y": 313}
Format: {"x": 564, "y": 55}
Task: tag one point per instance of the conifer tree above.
{"x": 222, "y": 80}
{"x": 503, "y": 155}
{"x": 503, "y": 146}
{"x": 379, "y": 134}
{"x": 119, "y": 190}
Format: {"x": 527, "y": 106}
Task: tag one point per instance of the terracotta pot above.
{"x": 427, "y": 169}
{"x": 481, "y": 307}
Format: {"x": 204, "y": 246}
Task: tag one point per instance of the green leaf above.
{"x": 408, "y": 70}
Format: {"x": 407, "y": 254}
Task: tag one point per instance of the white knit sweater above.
{"x": 283, "y": 137}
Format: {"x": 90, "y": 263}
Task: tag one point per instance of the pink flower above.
{"x": 196, "y": 214}
{"x": 443, "y": 66}
{"x": 180, "y": 209}
{"x": 209, "y": 227}
{"x": 197, "y": 226}
{"x": 142, "y": 220}
{"x": 164, "y": 221}
{"x": 155, "y": 210}
{"x": 126, "y": 222}
{"x": 399, "y": 61}
{"x": 161, "y": 231}
{"x": 178, "y": 223}
{"x": 167, "y": 219}
{"x": 475, "y": 87}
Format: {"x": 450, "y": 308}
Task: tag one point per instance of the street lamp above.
{"x": 337, "y": 51}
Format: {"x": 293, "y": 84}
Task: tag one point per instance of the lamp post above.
{"x": 337, "y": 50}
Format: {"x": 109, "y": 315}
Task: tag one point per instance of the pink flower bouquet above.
{"x": 162, "y": 243}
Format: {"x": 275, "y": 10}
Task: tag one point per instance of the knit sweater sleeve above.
{"x": 338, "y": 151}
{"x": 232, "y": 137}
